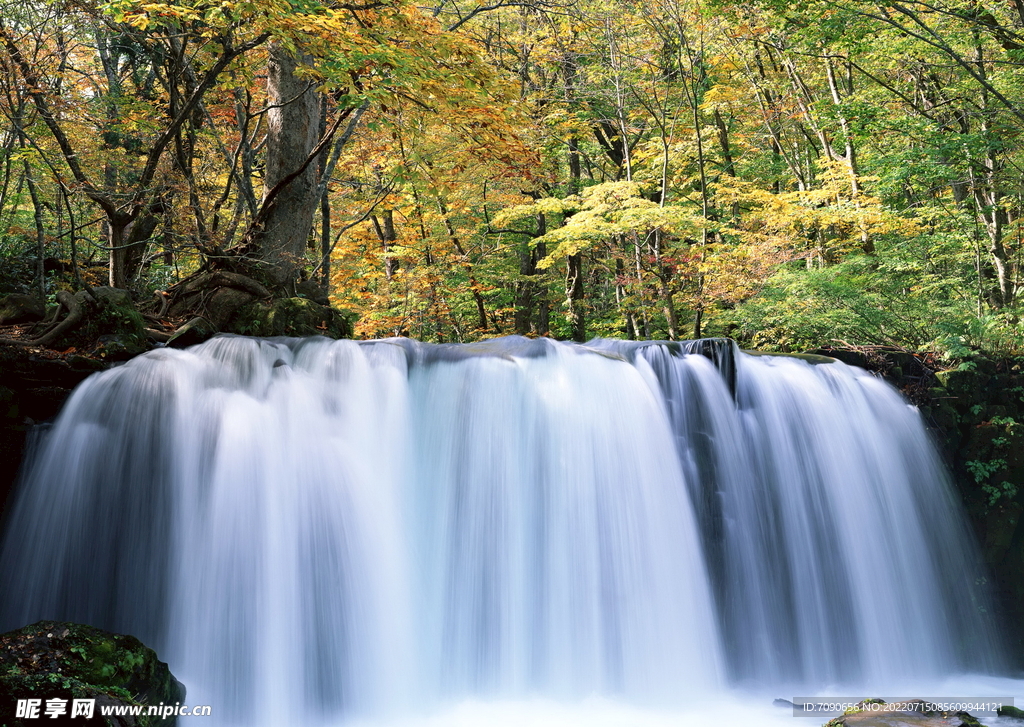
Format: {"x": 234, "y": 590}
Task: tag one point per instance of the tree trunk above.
{"x": 527, "y": 289}
{"x": 293, "y": 132}
{"x": 850, "y": 159}
{"x": 386, "y": 233}
{"x": 574, "y": 296}
{"x": 543, "y": 306}
{"x": 116, "y": 230}
{"x": 127, "y": 239}
{"x": 524, "y": 289}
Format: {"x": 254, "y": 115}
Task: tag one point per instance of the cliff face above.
{"x": 977, "y": 414}
{"x": 33, "y": 386}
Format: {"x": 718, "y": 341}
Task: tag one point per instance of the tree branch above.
{"x": 34, "y": 86}
{"x": 211, "y": 75}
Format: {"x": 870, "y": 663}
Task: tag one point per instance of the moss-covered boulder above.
{"x": 20, "y": 308}
{"x": 194, "y": 331}
{"x": 64, "y": 662}
{"x": 114, "y": 329}
{"x": 1012, "y": 713}
{"x": 291, "y": 317}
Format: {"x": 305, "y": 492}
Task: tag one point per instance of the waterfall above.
{"x": 313, "y": 530}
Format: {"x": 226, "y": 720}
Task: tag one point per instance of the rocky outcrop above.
{"x": 291, "y": 317}
{"x": 59, "y": 663}
{"x": 20, "y": 308}
{"x": 977, "y": 413}
{"x": 34, "y": 383}
{"x": 194, "y": 331}
{"x": 234, "y": 303}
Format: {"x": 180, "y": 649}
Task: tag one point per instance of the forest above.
{"x": 790, "y": 175}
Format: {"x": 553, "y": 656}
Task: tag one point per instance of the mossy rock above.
{"x": 1012, "y": 712}
{"x": 64, "y": 661}
{"x": 20, "y": 308}
{"x": 938, "y": 410}
{"x": 195, "y": 331}
{"x": 961, "y": 382}
{"x": 869, "y": 718}
{"x": 291, "y": 317}
{"x": 113, "y": 330}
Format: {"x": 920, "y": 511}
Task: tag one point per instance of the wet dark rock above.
{"x": 312, "y": 290}
{"x": 105, "y": 295}
{"x": 62, "y": 661}
{"x": 33, "y": 387}
{"x": 195, "y": 331}
{"x": 117, "y": 347}
{"x": 225, "y": 305}
{"x": 977, "y": 417}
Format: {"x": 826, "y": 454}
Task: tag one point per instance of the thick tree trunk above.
{"x": 127, "y": 240}
{"x": 116, "y": 240}
{"x": 543, "y": 306}
{"x": 293, "y": 131}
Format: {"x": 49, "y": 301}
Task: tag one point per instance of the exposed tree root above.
{"x": 214, "y": 295}
{"x": 77, "y": 305}
{"x": 161, "y": 336}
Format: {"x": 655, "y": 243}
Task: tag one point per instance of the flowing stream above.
{"x": 317, "y": 532}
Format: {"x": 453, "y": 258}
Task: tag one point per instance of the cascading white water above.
{"x": 838, "y": 552}
{"x": 312, "y": 531}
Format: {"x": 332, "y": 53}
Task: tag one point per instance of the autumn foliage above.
{"x": 787, "y": 175}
